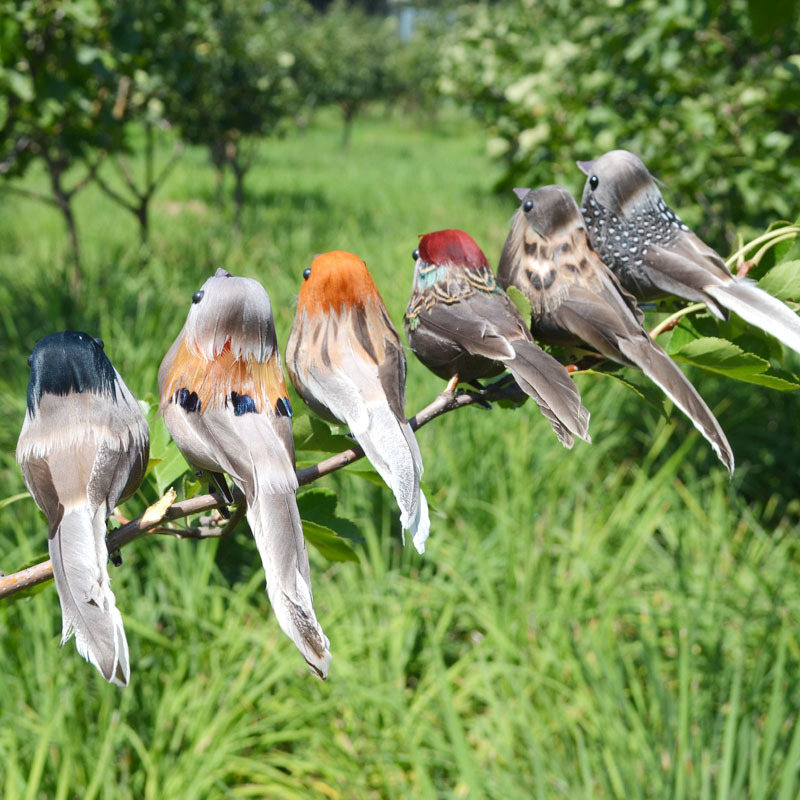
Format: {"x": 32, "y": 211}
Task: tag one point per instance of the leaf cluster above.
{"x": 707, "y": 94}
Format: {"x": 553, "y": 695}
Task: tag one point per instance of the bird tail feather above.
{"x": 666, "y": 374}
{"x": 551, "y": 387}
{"x": 88, "y": 607}
{"x": 275, "y": 522}
{"x": 393, "y": 450}
{"x": 761, "y": 309}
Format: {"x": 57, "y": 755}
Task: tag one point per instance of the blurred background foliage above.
{"x": 616, "y": 621}
{"x": 707, "y": 93}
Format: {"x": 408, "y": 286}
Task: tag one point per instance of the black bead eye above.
{"x": 593, "y": 181}
{"x": 197, "y": 296}
{"x": 306, "y": 273}
{"x": 415, "y": 254}
{"x": 100, "y": 343}
{"x": 527, "y": 205}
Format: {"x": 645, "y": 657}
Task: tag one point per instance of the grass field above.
{"x": 618, "y": 621}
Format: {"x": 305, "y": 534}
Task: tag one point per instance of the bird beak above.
{"x": 586, "y": 167}
{"x": 520, "y": 193}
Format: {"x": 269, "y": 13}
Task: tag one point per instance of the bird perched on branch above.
{"x": 576, "y": 298}
{"x": 225, "y": 403}
{"x": 346, "y": 361}
{"x": 654, "y": 254}
{"x": 83, "y": 449}
{"x": 463, "y": 326}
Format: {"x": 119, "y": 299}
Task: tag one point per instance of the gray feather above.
{"x": 275, "y": 522}
{"x": 664, "y": 372}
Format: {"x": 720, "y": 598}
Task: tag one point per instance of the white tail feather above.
{"x": 275, "y": 522}
{"x": 761, "y": 309}
{"x": 88, "y": 607}
{"x": 393, "y": 450}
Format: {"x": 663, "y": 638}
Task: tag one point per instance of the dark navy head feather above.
{"x": 66, "y": 362}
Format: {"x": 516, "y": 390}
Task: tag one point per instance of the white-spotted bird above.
{"x": 463, "y": 326}
{"x": 225, "y": 404}
{"x": 346, "y": 361}
{"x": 83, "y": 449}
{"x": 654, "y": 253}
{"x": 575, "y": 298}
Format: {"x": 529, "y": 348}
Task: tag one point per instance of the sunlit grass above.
{"x": 619, "y": 621}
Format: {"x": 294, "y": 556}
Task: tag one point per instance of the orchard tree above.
{"x": 59, "y": 85}
{"x": 154, "y": 44}
{"x": 350, "y": 56}
{"x": 240, "y": 83}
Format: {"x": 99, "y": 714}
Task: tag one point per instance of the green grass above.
{"x": 617, "y": 621}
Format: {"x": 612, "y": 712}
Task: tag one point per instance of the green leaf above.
{"x": 166, "y": 463}
{"x": 783, "y": 281}
{"x": 521, "y": 302}
{"x": 650, "y": 393}
{"x": 366, "y": 473}
{"x": 319, "y": 505}
{"x": 20, "y": 84}
{"x": 312, "y": 433}
{"x": 331, "y": 546}
{"x": 725, "y": 358}
{"x": 747, "y": 337}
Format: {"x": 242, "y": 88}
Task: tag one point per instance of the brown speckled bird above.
{"x": 346, "y": 361}
{"x": 460, "y": 323}
{"x": 654, "y": 253}
{"x": 83, "y": 449}
{"x": 576, "y": 298}
{"x": 224, "y": 401}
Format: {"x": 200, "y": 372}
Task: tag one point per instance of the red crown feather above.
{"x": 452, "y": 247}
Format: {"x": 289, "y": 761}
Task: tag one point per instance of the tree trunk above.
{"x": 143, "y": 215}
{"x": 216, "y": 153}
{"x": 348, "y": 114}
{"x": 239, "y": 171}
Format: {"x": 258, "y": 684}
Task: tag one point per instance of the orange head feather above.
{"x": 334, "y": 281}
{"x": 228, "y": 347}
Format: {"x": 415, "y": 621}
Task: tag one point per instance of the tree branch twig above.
{"x": 150, "y": 522}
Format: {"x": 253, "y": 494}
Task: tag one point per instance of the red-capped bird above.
{"x": 225, "y": 403}
{"x": 654, "y": 254}
{"x": 462, "y": 325}
{"x": 83, "y": 449}
{"x": 346, "y": 361}
{"x": 576, "y": 298}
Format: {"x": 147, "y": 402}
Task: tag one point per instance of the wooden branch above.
{"x": 114, "y": 194}
{"x": 30, "y": 194}
{"x": 153, "y": 519}
{"x": 177, "y": 152}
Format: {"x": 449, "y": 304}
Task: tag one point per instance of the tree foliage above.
{"x": 707, "y": 94}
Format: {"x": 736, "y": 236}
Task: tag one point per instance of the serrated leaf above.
{"x": 747, "y": 337}
{"x": 783, "y": 281}
{"x": 521, "y": 302}
{"x": 725, "y": 358}
{"x": 312, "y": 433}
{"x": 319, "y": 505}
{"x": 331, "y": 546}
{"x": 651, "y": 394}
